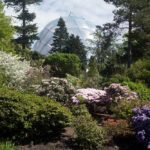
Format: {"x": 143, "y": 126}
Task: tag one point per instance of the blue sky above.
{"x": 95, "y": 11}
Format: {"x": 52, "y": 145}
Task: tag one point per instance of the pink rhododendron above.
{"x": 113, "y": 93}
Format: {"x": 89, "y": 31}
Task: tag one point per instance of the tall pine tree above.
{"x": 125, "y": 15}
{"x": 75, "y": 46}
{"x": 129, "y": 17}
{"x": 60, "y": 38}
{"x": 27, "y": 32}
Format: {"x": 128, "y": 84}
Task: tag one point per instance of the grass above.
{"x": 6, "y": 146}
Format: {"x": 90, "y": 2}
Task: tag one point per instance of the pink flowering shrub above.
{"x": 89, "y": 94}
{"x": 113, "y": 93}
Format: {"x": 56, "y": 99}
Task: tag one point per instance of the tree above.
{"x": 102, "y": 45}
{"x": 6, "y": 30}
{"x": 60, "y": 38}
{"x": 27, "y": 32}
{"x": 75, "y": 46}
{"x": 126, "y": 18}
{"x": 92, "y": 67}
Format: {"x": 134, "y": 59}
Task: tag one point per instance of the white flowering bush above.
{"x": 57, "y": 88}
{"x": 14, "y": 67}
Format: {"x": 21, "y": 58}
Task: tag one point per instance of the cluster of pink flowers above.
{"x": 89, "y": 94}
{"x": 113, "y": 93}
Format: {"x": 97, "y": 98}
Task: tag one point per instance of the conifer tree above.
{"x": 75, "y": 46}
{"x": 27, "y": 32}
{"x": 126, "y": 17}
{"x": 60, "y": 38}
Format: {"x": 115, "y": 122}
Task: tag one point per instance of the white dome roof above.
{"x": 75, "y": 25}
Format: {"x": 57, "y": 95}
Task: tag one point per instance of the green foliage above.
{"x": 117, "y": 78}
{"x": 6, "y": 146}
{"x": 123, "y": 109}
{"x": 4, "y": 79}
{"x": 140, "y": 71}
{"x": 6, "y": 31}
{"x": 142, "y": 91}
{"x": 80, "y": 110}
{"x": 30, "y": 117}
{"x": 76, "y": 82}
{"x": 60, "y": 38}
{"x": 75, "y": 46}
{"x": 92, "y": 67}
{"x": 88, "y": 135}
{"x": 27, "y": 32}
{"x": 62, "y": 63}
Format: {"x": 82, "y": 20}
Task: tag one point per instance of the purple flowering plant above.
{"x": 141, "y": 122}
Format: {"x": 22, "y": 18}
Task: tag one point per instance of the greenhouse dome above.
{"x": 75, "y": 25}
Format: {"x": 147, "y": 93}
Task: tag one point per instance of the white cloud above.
{"x": 96, "y": 11}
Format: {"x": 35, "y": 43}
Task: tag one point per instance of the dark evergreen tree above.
{"x": 75, "y": 46}
{"x": 60, "y": 38}
{"x": 27, "y": 32}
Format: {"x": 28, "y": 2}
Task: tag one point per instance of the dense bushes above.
{"x": 62, "y": 63}
{"x": 140, "y": 71}
{"x": 25, "y": 116}
{"x": 88, "y": 135}
{"x": 142, "y": 91}
{"x": 57, "y": 88}
{"x": 123, "y": 109}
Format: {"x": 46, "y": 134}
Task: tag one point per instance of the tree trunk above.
{"x": 23, "y": 25}
{"x": 129, "y": 40}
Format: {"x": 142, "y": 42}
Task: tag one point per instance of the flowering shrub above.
{"x": 116, "y": 127}
{"x": 141, "y": 121}
{"x": 123, "y": 109}
{"x": 57, "y": 88}
{"x": 91, "y": 95}
{"x": 14, "y": 67}
{"x": 113, "y": 93}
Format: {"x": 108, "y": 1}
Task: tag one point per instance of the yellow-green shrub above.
{"x": 27, "y": 116}
{"x": 88, "y": 135}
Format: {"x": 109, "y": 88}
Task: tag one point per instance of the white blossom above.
{"x": 14, "y": 66}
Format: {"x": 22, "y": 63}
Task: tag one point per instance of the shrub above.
{"x": 88, "y": 135}
{"x": 25, "y": 116}
{"x": 76, "y": 82}
{"x": 117, "y": 127}
{"x": 118, "y": 78}
{"x": 57, "y": 88}
{"x": 123, "y": 109}
{"x": 4, "y": 79}
{"x": 35, "y": 77}
{"x": 140, "y": 71}
{"x": 14, "y": 67}
{"x": 80, "y": 110}
{"x": 62, "y": 63}
{"x": 111, "y": 94}
{"x": 141, "y": 121}
{"x": 142, "y": 91}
